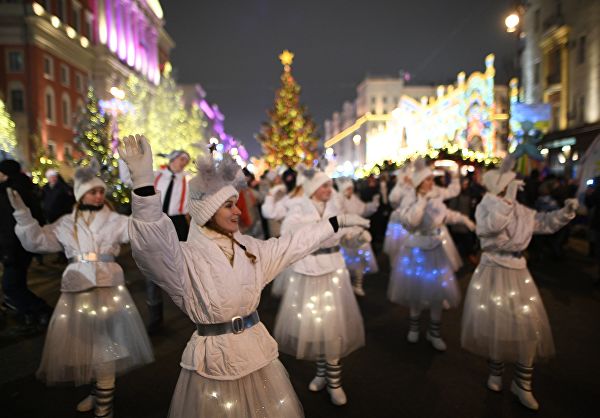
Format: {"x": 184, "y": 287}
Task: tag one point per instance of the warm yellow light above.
{"x": 84, "y": 42}
{"x": 356, "y": 138}
{"x": 117, "y": 93}
{"x": 286, "y": 57}
{"x": 329, "y": 151}
{"x": 55, "y": 21}
{"x": 511, "y": 22}
{"x": 71, "y": 32}
{"x": 38, "y": 9}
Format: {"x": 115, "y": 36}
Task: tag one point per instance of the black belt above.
{"x": 237, "y": 325}
{"x": 515, "y": 254}
{"x": 331, "y": 250}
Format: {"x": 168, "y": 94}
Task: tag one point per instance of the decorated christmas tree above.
{"x": 44, "y": 160}
{"x": 8, "y": 139}
{"x": 289, "y": 137}
{"x": 92, "y": 137}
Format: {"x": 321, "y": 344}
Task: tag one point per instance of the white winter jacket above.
{"x": 305, "y": 212}
{"x": 355, "y": 206}
{"x": 208, "y": 289}
{"x": 103, "y": 236}
{"x": 422, "y": 217}
{"x": 505, "y": 229}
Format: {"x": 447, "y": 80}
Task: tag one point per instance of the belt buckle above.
{"x": 237, "y": 324}
{"x": 91, "y": 257}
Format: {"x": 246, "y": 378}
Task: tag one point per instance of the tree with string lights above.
{"x": 289, "y": 137}
{"x": 8, "y": 139}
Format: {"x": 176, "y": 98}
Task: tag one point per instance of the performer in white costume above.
{"x": 504, "y": 319}
{"x": 96, "y": 331}
{"x": 361, "y": 260}
{"x": 230, "y": 366}
{"x": 395, "y": 233}
{"x": 422, "y": 277}
{"x": 318, "y": 318}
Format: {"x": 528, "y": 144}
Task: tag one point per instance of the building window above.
{"x": 89, "y": 27}
{"x": 79, "y": 107}
{"x": 17, "y": 99}
{"x": 373, "y": 100}
{"x": 537, "y": 19}
{"x": 384, "y": 100}
{"x": 68, "y": 153}
{"x": 50, "y": 106}
{"x": 78, "y": 83}
{"x": 65, "y": 75}
{"x": 61, "y": 10}
{"x": 48, "y": 67}
{"x": 76, "y": 13}
{"x": 581, "y": 46}
{"x": 15, "y": 61}
{"x": 395, "y": 103}
{"x": 66, "y": 110}
{"x": 51, "y": 148}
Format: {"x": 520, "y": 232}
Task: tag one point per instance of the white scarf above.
{"x": 223, "y": 242}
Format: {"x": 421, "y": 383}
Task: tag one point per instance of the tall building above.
{"x": 561, "y": 67}
{"x": 52, "y": 50}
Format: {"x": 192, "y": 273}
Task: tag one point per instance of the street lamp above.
{"x": 356, "y": 139}
{"x": 512, "y": 22}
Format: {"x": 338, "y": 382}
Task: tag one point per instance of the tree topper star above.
{"x": 286, "y": 57}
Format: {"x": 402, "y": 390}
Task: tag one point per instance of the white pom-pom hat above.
{"x": 495, "y": 181}
{"x": 212, "y": 186}
{"x": 86, "y": 179}
{"x": 313, "y": 180}
{"x": 420, "y": 173}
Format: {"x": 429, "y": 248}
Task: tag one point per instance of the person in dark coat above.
{"x": 15, "y": 260}
{"x": 58, "y": 197}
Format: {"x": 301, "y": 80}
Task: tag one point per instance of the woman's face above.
{"x": 227, "y": 217}
{"x": 426, "y": 186}
{"x": 94, "y": 197}
{"x": 178, "y": 164}
{"x": 348, "y": 192}
{"x": 323, "y": 193}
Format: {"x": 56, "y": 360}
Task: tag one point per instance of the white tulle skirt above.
{"x": 265, "y": 393}
{"x": 395, "y": 236}
{"x": 280, "y": 283}
{"x": 450, "y": 249}
{"x": 90, "y": 330}
{"x": 423, "y": 279}
{"x": 504, "y": 315}
{"x": 319, "y": 317}
{"x": 361, "y": 259}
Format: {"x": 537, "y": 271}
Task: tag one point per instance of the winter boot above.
{"x": 334, "y": 384}
{"x": 103, "y": 407}
{"x": 358, "y": 284}
{"x": 413, "y": 329}
{"x": 521, "y": 386}
{"x": 319, "y": 381}
{"x": 494, "y": 382}
{"x": 87, "y": 403}
{"x": 434, "y": 336}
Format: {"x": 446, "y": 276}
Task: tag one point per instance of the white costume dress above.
{"x": 227, "y": 375}
{"x": 318, "y": 316}
{"x": 446, "y": 193}
{"x": 503, "y": 311}
{"x": 395, "y": 233}
{"x": 362, "y": 257}
{"x": 422, "y": 276}
{"x": 95, "y": 321}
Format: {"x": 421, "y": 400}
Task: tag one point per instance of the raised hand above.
{"x": 137, "y": 154}
{"x": 352, "y": 220}
{"x": 15, "y": 199}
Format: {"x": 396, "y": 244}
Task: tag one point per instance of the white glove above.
{"x": 348, "y": 220}
{"x": 365, "y": 237}
{"x": 137, "y": 154}
{"x": 469, "y": 224}
{"x": 571, "y": 205}
{"x": 278, "y": 191}
{"x": 15, "y": 199}
{"x": 512, "y": 189}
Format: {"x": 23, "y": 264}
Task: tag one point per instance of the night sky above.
{"x": 230, "y": 47}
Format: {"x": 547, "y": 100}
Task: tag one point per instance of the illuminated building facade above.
{"x": 52, "y": 50}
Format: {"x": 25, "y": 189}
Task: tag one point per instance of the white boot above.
{"x": 434, "y": 337}
{"x": 494, "y": 382}
{"x": 86, "y": 404}
{"x": 104, "y": 402}
{"x": 413, "y": 330}
{"x": 334, "y": 384}
{"x": 358, "y": 284}
{"x": 521, "y": 386}
{"x": 358, "y": 291}
{"x": 319, "y": 381}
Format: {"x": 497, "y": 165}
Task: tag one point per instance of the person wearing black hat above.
{"x": 15, "y": 260}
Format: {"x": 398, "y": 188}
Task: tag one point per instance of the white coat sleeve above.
{"x": 35, "y": 238}
{"x": 395, "y": 196}
{"x": 273, "y": 209}
{"x": 492, "y": 216}
{"x": 453, "y": 218}
{"x": 550, "y": 222}
{"x": 276, "y": 254}
{"x": 155, "y": 246}
{"x": 122, "y": 229}
{"x": 412, "y": 210}
{"x": 451, "y": 191}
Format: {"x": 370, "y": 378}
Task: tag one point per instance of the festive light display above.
{"x": 93, "y": 138}
{"x": 43, "y": 161}
{"x": 289, "y": 137}
{"x": 8, "y": 139}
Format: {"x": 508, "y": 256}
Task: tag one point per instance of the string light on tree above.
{"x": 8, "y": 139}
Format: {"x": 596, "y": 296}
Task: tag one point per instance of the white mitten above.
{"x": 278, "y": 191}
{"x": 137, "y": 154}
{"x": 512, "y": 189}
{"x": 15, "y": 199}
{"x": 348, "y": 220}
{"x": 571, "y": 205}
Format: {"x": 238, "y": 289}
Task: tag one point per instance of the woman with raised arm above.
{"x": 504, "y": 318}
{"x": 230, "y": 366}
{"x": 96, "y": 331}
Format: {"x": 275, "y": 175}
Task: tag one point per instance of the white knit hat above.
{"x": 495, "y": 181}
{"x": 420, "y": 173}
{"x": 314, "y": 180}
{"x": 212, "y": 186}
{"x": 86, "y": 178}
{"x": 344, "y": 183}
